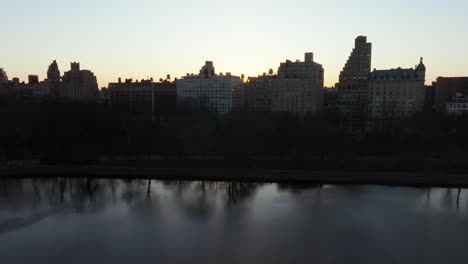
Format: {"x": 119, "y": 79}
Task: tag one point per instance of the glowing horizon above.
{"x": 140, "y": 39}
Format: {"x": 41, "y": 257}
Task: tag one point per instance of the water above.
{"x": 114, "y": 221}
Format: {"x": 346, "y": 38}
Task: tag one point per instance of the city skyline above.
{"x": 151, "y": 39}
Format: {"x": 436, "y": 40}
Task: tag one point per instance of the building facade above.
{"x": 34, "y": 90}
{"x": 396, "y": 92}
{"x": 458, "y": 105}
{"x": 145, "y": 96}
{"x": 210, "y": 91}
{"x": 353, "y": 83}
{"x": 79, "y": 85}
{"x": 446, "y": 88}
{"x": 259, "y": 93}
{"x": 299, "y": 87}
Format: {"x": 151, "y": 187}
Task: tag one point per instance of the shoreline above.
{"x": 244, "y": 175}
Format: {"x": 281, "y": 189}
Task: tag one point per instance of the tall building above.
{"x": 3, "y": 76}
{"x": 446, "y": 88}
{"x": 397, "y": 92}
{"x": 143, "y": 97}
{"x": 299, "y": 87}
{"x": 354, "y": 82}
{"x": 53, "y": 77}
{"x": 208, "y": 90}
{"x": 79, "y": 85}
{"x": 259, "y": 92}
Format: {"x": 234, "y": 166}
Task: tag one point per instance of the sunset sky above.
{"x": 151, "y": 38}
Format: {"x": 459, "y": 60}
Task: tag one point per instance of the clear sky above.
{"x": 152, "y": 38}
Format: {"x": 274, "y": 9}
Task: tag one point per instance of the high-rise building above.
{"x": 208, "y": 90}
{"x": 299, "y": 87}
{"x": 259, "y": 92}
{"x": 397, "y": 92}
{"x": 53, "y": 78}
{"x": 79, "y": 85}
{"x": 446, "y": 88}
{"x": 3, "y": 76}
{"x": 354, "y": 82}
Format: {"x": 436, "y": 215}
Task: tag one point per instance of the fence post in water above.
{"x": 458, "y": 195}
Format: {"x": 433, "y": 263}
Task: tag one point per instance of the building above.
{"x": 330, "y": 99}
{"x": 3, "y": 76}
{"x": 353, "y": 83}
{"x": 210, "y": 91}
{"x": 446, "y": 88}
{"x": 79, "y": 85}
{"x": 33, "y": 90}
{"x": 259, "y": 92}
{"x": 299, "y": 87}
{"x": 33, "y": 79}
{"x": 143, "y": 96}
{"x": 457, "y": 105}
{"x": 104, "y": 96}
{"x": 54, "y": 78}
{"x": 429, "y": 105}
{"x": 396, "y": 92}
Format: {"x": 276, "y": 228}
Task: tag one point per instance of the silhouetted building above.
{"x": 33, "y": 79}
{"x": 353, "y": 83}
{"x": 3, "y": 76}
{"x": 33, "y": 90}
{"x": 330, "y": 99}
{"x": 259, "y": 93}
{"x": 143, "y": 97}
{"x": 104, "y": 96}
{"x": 457, "y": 105}
{"x": 429, "y": 104}
{"x": 299, "y": 87}
{"x": 446, "y": 89}
{"x": 210, "y": 91}
{"x": 53, "y": 77}
{"x": 79, "y": 85}
{"x": 397, "y": 92}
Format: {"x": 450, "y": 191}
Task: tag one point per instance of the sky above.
{"x": 151, "y": 38}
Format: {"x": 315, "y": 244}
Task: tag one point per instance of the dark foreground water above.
{"x": 113, "y": 221}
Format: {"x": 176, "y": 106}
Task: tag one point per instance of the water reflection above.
{"x": 147, "y": 221}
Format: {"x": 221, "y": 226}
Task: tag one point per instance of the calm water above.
{"x": 113, "y": 221}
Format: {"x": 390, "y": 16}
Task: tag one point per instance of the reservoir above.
{"x": 141, "y": 221}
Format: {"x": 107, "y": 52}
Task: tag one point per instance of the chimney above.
{"x": 309, "y": 57}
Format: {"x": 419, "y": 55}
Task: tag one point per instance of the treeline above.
{"x": 61, "y": 132}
